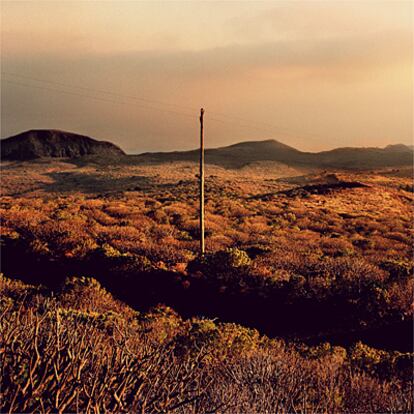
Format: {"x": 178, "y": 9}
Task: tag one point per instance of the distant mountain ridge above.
{"x": 238, "y": 155}
{"x": 59, "y": 144}
{"x": 42, "y": 143}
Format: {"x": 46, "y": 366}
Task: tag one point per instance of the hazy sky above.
{"x": 315, "y": 75}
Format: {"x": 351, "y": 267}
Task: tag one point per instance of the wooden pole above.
{"x": 202, "y": 245}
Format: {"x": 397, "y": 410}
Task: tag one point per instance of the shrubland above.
{"x": 81, "y": 350}
{"x": 342, "y": 249}
{"x": 325, "y": 270}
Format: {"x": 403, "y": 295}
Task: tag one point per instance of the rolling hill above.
{"x": 42, "y": 143}
{"x": 35, "y": 144}
{"x": 244, "y": 153}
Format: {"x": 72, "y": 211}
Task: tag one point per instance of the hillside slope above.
{"x": 244, "y": 153}
{"x": 52, "y": 143}
{"x": 36, "y": 144}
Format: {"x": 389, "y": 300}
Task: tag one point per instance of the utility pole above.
{"x": 201, "y": 176}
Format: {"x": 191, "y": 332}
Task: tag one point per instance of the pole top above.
{"x": 202, "y": 111}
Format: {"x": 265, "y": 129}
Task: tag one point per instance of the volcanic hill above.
{"x": 42, "y": 143}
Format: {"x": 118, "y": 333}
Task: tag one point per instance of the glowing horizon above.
{"x": 313, "y": 75}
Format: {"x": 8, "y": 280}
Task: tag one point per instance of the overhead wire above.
{"x": 146, "y": 107}
{"x": 155, "y": 105}
{"x": 102, "y": 91}
{"x": 98, "y": 98}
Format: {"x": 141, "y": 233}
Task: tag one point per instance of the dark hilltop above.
{"x": 43, "y": 143}
{"x": 35, "y": 144}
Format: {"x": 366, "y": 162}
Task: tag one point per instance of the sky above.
{"x": 314, "y": 75}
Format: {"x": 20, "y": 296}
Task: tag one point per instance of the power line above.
{"x": 102, "y": 91}
{"x": 225, "y": 119}
{"x": 188, "y": 115}
{"x": 98, "y": 98}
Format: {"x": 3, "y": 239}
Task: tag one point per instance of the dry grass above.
{"x": 341, "y": 255}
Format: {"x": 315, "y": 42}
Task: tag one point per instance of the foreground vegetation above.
{"x": 321, "y": 263}
{"x": 329, "y": 252}
{"x": 80, "y": 350}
